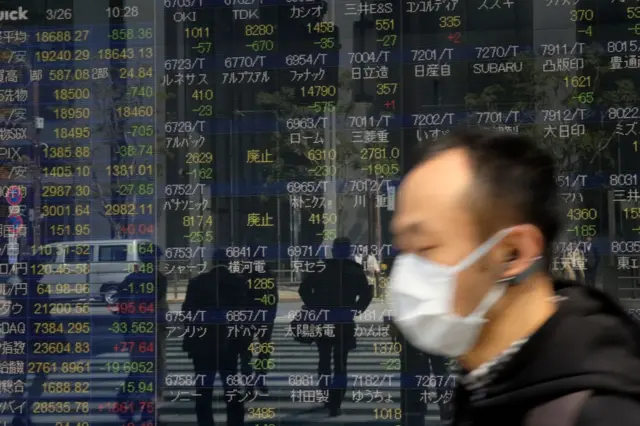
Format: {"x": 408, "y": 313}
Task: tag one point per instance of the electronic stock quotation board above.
{"x": 268, "y": 128}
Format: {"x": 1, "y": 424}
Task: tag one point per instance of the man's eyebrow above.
{"x": 409, "y": 228}
{"x": 406, "y": 232}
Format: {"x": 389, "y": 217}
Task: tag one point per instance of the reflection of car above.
{"x": 90, "y": 269}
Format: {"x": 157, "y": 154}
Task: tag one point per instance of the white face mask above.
{"x": 421, "y": 295}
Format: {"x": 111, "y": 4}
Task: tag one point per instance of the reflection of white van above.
{"x": 102, "y": 264}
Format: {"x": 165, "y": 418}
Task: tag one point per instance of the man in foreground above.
{"x": 474, "y": 223}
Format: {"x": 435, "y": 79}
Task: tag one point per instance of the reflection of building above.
{"x": 241, "y": 130}
{"x": 235, "y": 188}
{"x": 237, "y": 184}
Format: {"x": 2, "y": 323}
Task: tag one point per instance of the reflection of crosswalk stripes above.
{"x": 292, "y": 387}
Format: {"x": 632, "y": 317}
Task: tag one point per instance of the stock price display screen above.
{"x": 143, "y": 142}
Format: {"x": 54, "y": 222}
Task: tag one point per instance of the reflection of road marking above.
{"x": 294, "y": 359}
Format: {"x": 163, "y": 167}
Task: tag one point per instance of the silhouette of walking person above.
{"x": 343, "y": 290}
{"x": 217, "y": 292}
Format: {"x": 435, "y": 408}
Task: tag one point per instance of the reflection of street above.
{"x": 292, "y": 395}
{"x": 292, "y": 398}
{"x": 290, "y": 382}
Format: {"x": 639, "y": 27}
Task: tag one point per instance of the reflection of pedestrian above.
{"x": 373, "y": 267}
{"x": 573, "y": 263}
{"x": 423, "y": 376}
{"x": 343, "y": 290}
{"x": 592, "y": 258}
{"x": 217, "y": 292}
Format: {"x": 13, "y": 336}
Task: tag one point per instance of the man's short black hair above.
{"x": 341, "y": 247}
{"x": 220, "y": 257}
{"x": 342, "y": 242}
{"x": 515, "y": 180}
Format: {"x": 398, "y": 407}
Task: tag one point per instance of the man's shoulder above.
{"x": 200, "y": 279}
{"x": 610, "y": 409}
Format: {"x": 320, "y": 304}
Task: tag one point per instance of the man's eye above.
{"x": 424, "y": 250}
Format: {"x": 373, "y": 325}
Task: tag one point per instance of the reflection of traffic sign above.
{"x": 14, "y": 223}
{"x": 14, "y": 195}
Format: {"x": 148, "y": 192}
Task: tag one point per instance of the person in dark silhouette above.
{"x": 262, "y": 300}
{"x": 219, "y": 293}
{"x": 592, "y": 258}
{"x": 423, "y": 376}
{"x": 343, "y": 290}
{"x": 134, "y": 293}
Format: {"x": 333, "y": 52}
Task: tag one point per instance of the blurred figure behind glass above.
{"x": 592, "y": 259}
{"x": 343, "y": 290}
{"x": 216, "y": 292}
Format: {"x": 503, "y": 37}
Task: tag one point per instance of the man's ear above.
{"x": 524, "y": 246}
